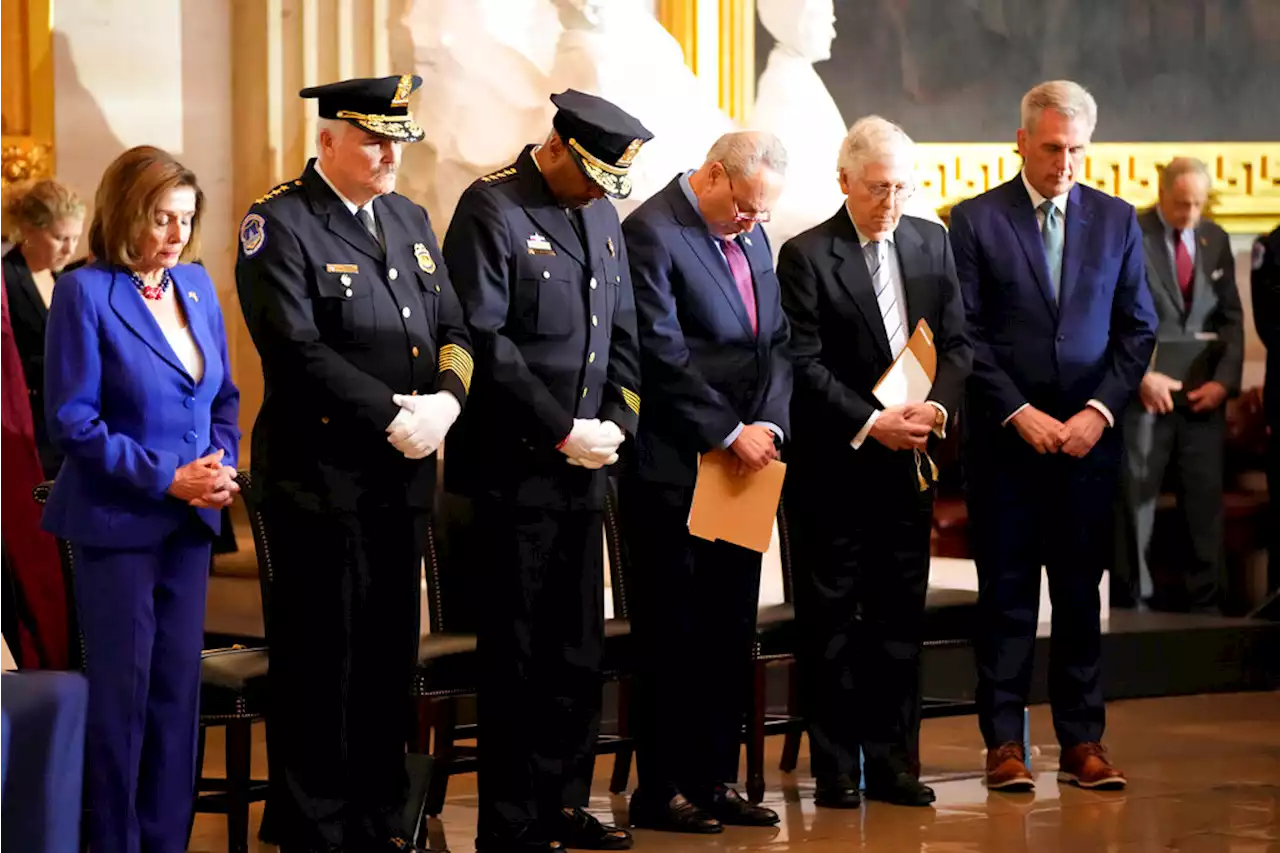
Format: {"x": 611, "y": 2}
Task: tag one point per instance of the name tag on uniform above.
{"x": 347, "y": 268}
{"x": 539, "y": 245}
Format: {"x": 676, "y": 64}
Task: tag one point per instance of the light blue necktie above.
{"x": 1051, "y": 232}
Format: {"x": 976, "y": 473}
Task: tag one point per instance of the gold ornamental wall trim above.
{"x": 26, "y": 149}
{"x": 1246, "y": 175}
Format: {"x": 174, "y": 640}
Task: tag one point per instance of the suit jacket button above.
{"x": 591, "y": 359}
{"x": 189, "y": 401}
{"x": 546, "y": 274}
{"x": 393, "y": 273}
{"x": 324, "y": 419}
{"x": 595, "y": 321}
{"x": 415, "y": 352}
{"x": 190, "y": 437}
{"x": 1061, "y": 338}
{"x": 593, "y": 284}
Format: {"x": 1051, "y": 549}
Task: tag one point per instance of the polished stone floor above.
{"x": 1204, "y": 775}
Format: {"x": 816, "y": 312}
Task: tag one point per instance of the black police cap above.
{"x": 379, "y": 105}
{"x": 602, "y": 138}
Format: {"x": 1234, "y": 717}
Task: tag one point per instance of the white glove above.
{"x": 593, "y": 444}
{"x": 422, "y": 422}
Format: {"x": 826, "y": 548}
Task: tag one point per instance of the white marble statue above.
{"x": 793, "y": 103}
{"x": 484, "y": 66}
{"x": 618, "y": 50}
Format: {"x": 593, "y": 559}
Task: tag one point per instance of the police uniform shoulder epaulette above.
{"x": 276, "y": 192}
{"x": 500, "y": 175}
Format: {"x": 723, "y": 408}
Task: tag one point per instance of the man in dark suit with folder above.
{"x": 1179, "y": 419}
{"x": 712, "y": 341}
{"x": 1063, "y": 328}
{"x": 859, "y": 490}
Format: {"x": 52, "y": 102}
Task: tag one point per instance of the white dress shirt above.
{"x": 1060, "y": 203}
{"x": 891, "y": 267}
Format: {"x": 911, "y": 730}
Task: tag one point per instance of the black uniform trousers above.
{"x": 693, "y": 623}
{"x": 343, "y": 631}
{"x": 541, "y": 647}
{"x": 1028, "y": 511}
{"x": 860, "y": 547}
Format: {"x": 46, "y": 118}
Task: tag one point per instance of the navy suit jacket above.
{"x": 125, "y": 411}
{"x": 705, "y": 369}
{"x": 1093, "y": 343}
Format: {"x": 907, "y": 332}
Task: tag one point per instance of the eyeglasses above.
{"x": 738, "y": 216}
{"x": 881, "y": 191}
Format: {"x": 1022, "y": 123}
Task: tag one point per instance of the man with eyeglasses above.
{"x": 859, "y": 490}
{"x": 712, "y": 338}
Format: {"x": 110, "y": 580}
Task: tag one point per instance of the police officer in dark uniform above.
{"x": 1265, "y": 283}
{"x": 541, "y": 269}
{"x": 367, "y": 362}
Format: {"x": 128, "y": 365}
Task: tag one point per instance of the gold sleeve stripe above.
{"x": 457, "y": 359}
{"x": 632, "y": 399}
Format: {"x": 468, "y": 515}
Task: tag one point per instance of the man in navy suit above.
{"x": 712, "y": 338}
{"x": 1063, "y": 327}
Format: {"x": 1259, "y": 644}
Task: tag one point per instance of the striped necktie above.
{"x": 876, "y": 253}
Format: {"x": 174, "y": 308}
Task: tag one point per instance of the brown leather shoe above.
{"x": 1007, "y": 769}
{"x": 1086, "y": 765}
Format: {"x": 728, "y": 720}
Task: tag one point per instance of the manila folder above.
{"x": 733, "y": 507}
{"x": 910, "y": 378}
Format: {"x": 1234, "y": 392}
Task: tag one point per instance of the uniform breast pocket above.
{"x": 344, "y": 310}
{"x": 430, "y": 298}
{"x": 545, "y": 306}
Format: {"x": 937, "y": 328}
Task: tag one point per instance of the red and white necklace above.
{"x": 151, "y": 291}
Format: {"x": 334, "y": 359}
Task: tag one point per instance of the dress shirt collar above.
{"x": 1059, "y": 201}
{"x": 1187, "y": 234}
{"x": 350, "y": 205}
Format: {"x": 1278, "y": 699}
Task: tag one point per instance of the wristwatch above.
{"x": 939, "y": 419}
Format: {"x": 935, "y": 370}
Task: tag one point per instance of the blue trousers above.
{"x": 142, "y": 616}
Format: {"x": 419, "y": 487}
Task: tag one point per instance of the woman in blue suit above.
{"x": 139, "y": 397}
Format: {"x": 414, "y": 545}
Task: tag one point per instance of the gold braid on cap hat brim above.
{"x": 393, "y": 126}
{"x": 594, "y": 160}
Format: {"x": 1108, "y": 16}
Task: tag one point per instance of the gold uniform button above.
{"x": 437, "y": 288}
{"x": 584, "y": 392}
{"x": 324, "y": 420}
{"x": 405, "y": 312}
{"x": 415, "y": 352}
{"x": 593, "y": 284}
{"x": 595, "y": 321}
{"x": 591, "y": 359}
{"x": 393, "y": 273}
{"x": 618, "y": 279}
{"x": 413, "y": 394}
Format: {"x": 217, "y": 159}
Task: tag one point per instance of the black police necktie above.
{"x": 365, "y": 215}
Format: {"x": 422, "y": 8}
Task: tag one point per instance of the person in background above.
{"x": 713, "y": 342}
{"x": 860, "y": 486}
{"x": 139, "y": 398}
{"x": 1265, "y": 284}
{"x": 1062, "y": 325}
{"x": 46, "y": 220}
{"x": 1191, "y": 273}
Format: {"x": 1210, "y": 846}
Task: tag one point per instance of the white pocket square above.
{"x": 1217, "y": 274}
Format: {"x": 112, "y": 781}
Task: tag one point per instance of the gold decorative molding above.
{"x": 680, "y": 17}
{"x": 1246, "y": 175}
{"x": 737, "y": 58}
{"x": 26, "y": 27}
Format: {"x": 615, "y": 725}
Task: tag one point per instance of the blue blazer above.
{"x": 124, "y": 410}
{"x": 1091, "y": 344}
{"x": 705, "y": 369}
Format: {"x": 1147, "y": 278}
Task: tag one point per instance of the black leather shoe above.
{"x": 901, "y": 790}
{"x": 578, "y": 829}
{"x": 727, "y": 806}
{"x": 395, "y": 844}
{"x": 675, "y": 815}
{"x": 841, "y": 793}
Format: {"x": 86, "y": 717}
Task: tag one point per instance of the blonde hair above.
{"x": 126, "y": 201}
{"x": 38, "y": 204}
{"x": 1062, "y": 96}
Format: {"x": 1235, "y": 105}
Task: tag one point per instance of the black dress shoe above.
{"x": 901, "y": 790}
{"x": 578, "y": 829}
{"x": 396, "y": 844}
{"x": 675, "y": 815}
{"x": 839, "y": 793}
{"x": 727, "y": 806}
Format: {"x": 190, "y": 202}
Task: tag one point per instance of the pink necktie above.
{"x": 1185, "y": 268}
{"x": 741, "y": 271}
